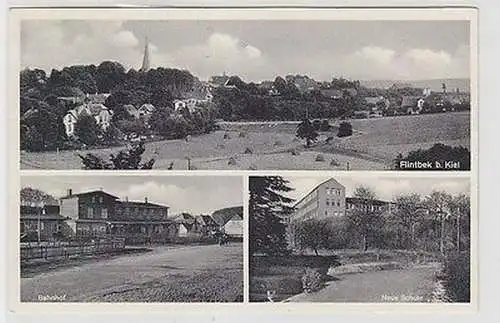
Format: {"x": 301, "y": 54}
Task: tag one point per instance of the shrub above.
{"x": 232, "y": 161}
{"x": 320, "y": 158}
{"x": 438, "y": 152}
{"x": 311, "y": 281}
{"x": 345, "y": 130}
{"x": 334, "y": 163}
{"x": 248, "y": 151}
{"x": 317, "y": 125}
{"x": 456, "y": 276}
{"x": 125, "y": 159}
{"x": 325, "y": 125}
{"x": 226, "y": 135}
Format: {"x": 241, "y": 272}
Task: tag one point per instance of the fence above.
{"x": 55, "y": 250}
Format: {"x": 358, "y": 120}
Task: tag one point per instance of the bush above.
{"x": 320, "y": 158}
{"x": 226, "y": 135}
{"x": 456, "y": 276}
{"x": 317, "y": 125}
{"x": 232, "y": 161}
{"x": 312, "y": 281}
{"x": 439, "y": 152}
{"x": 248, "y": 151}
{"x": 334, "y": 163}
{"x": 345, "y": 130}
{"x": 325, "y": 125}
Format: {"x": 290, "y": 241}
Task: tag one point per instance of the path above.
{"x": 407, "y": 285}
{"x": 125, "y": 273}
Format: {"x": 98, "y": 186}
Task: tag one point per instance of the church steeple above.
{"x": 145, "y": 61}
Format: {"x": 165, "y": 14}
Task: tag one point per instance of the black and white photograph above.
{"x": 303, "y": 94}
{"x": 360, "y": 239}
{"x": 136, "y": 239}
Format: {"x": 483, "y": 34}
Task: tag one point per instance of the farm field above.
{"x": 375, "y": 143}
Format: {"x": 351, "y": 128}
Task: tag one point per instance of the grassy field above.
{"x": 266, "y": 146}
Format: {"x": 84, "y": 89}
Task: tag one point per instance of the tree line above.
{"x": 438, "y": 222}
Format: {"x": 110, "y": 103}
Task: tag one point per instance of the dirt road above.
{"x": 408, "y": 285}
{"x": 166, "y": 274}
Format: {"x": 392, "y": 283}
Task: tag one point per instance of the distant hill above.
{"x": 434, "y": 85}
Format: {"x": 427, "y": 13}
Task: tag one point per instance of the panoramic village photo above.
{"x": 362, "y": 239}
{"x": 242, "y": 95}
{"x": 133, "y": 239}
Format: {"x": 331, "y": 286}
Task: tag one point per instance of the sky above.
{"x": 385, "y": 187}
{"x": 192, "y": 194}
{"x": 361, "y": 50}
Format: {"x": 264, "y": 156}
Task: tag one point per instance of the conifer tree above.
{"x": 268, "y": 210}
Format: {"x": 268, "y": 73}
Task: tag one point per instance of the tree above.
{"x": 87, "y": 130}
{"x": 312, "y": 234}
{"x": 125, "y": 159}
{"x": 438, "y": 205}
{"x": 108, "y": 75}
{"x": 268, "y": 210}
{"x": 306, "y": 131}
{"x": 460, "y": 211}
{"x": 364, "y": 220}
{"x": 406, "y": 217}
{"x": 29, "y": 196}
{"x": 345, "y": 129}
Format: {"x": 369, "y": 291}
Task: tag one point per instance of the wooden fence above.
{"x": 32, "y": 251}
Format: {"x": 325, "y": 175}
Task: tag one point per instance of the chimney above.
{"x": 126, "y": 198}
{"x": 146, "y": 200}
{"x": 69, "y": 192}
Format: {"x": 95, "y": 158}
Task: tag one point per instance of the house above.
{"x": 98, "y": 213}
{"x": 131, "y": 110}
{"x": 377, "y": 102}
{"x": 230, "y": 221}
{"x": 332, "y": 93}
{"x": 412, "y": 104}
{"x": 41, "y": 223}
{"x": 100, "y": 112}
{"x": 146, "y": 109}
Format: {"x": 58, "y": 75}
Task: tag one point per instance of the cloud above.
{"x": 51, "y": 44}
{"x": 125, "y": 38}
{"x": 377, "y": 55}
{"x": 220, "y": 52}
{"x": 55, "y": 44}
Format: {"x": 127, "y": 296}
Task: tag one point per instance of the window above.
{"x": 336, "y": 214}
{"x": 41, "y": 226}
{"x": 93, "y": 199}
{"x": 90, "y": 212}
{"x": 338, "y": 203}
{"x": 327, "y": 202}
{"x": 104, "y": 213}
{"x": 127, "y": 210}
{"x": 326, "y": 213}
{"x": 101, "y": 199}
{"x": 328, "y": 191}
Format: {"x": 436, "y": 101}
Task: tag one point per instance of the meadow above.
{"x": 268, "y": 145}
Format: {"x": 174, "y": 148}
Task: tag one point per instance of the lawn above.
{"x": 266, "y": 146}
{"x": 283, "y": 274}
